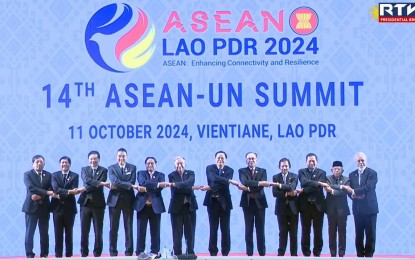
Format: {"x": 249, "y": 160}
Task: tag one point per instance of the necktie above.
{"x": 220, "y": 172}
{"x": 64, "y": 178}
{"x": 94, "y": 171}
{"x": 122, "y": 170}
{"x": 252, "y": 172}
{"x": 285, "y": 178}
{"x": 40, "y": 177}
{"x": 337, "y": 180}
{"x": 360, "y": 176}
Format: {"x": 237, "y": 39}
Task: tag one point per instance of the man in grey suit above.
{"x": 286, "y": 206}
{"x": 365, "y": 205}
{"x": 337, "y": 208}
{"x": 149, "y": 205}
{"x": 120, "y": 200}
{"x": 37, "y": 206}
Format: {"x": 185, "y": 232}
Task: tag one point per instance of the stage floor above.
{"x": 231, "y": 257}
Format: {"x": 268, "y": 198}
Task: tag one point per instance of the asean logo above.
{"x": 303, "y": 20}
{"x": 119, "y": 38}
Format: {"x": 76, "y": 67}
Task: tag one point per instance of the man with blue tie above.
{"x": 120, "y": 200}
{"x": 37, "y": 206}
{"x": 65, "y": 184}
{"x": 365, "y": 205}
{"x": 183, "y": 206}
{"x": 149, "y": 205}
{"x": 312, "y": 205}
{"x": 219, "y": 203}
{"x": 92, "y": 202}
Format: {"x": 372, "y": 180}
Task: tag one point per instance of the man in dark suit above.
{"x": 219, "y": 203}
{"x": 183, "y": 206}
{"x": 253, "y": 203}
{"x": 65, "y": 184}
{"x": 312, "y": 205}
{"x": 337, "y": 208}
{"x": 120, "y": 199}
{"x": 149, "y": 205}
{"x": 92, "y": 203}
{"x": 365, "y": 205}
{"x": 37, "y": 206}
{"x": 286, "y": 206}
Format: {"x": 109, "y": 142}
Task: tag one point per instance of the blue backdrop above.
{"x": 168, "y": 78}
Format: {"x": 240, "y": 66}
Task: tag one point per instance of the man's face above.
{"x": 93, "y": 160}
{"x": 65, "y": 165}
{"x": 337, "y": 171}
{"x": 251, "y": 160}
{"x": 151, "y": 165}
{"x": 38, "y": 164}
{"x": 121, "y": 157}
{"x": 311, "y": 162}
{"x": 284, "y": 167}
{"x": 180, "y": 165}
{"x": 220, "y": 160}
{"x": 361, "y": 161}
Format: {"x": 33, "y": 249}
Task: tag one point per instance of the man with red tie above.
{"x": 149, "y": 205}
{"x": 253, "y": 203}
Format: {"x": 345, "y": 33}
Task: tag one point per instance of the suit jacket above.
{"x": 66, "y": 203}
{"x": 367, "y": 187}
{"x": 143, "y": 179}
{"x": 35, "y": 186}
{"x": 183, "y": 189}
{"x": 337, "y": 202}
{"x": 247, "y": 180}
{"x": 219, "y": 186}
{"x": 312, "y": 192}
{"x": 93, "y": 192}
{"x": 280, "y": 193}
{"x": 122, "y": 181}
